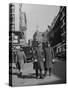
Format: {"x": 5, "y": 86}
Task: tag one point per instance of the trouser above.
{"x": 45, "y": 71}
{"x": 35, "y": 66}
{"x": 45, "y": 68}
{"x": 41, "y": 75}
{"x": 36, "y": 72}
{"x": 18, "y": 65}
{"x": 49, "y": 70}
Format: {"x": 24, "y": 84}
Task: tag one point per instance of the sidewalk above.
{"x": 29, "y": 77}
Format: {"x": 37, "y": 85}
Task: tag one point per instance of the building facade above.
{"x": 57, "y": 34}
{"x": 38, "y": 36}
{"x": 17, "y": 23}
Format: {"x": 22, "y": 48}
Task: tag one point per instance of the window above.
{"x": 13, "y": 27}
{"x": 11, "y": 8}
{"x": 63, "y": 14}
{"x": 63, "y": 23}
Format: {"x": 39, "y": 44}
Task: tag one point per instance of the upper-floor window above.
{"x": 11, "y": 8}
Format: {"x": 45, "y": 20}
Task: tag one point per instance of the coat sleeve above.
{"x": 16, "y": 57}
{"x": 24, "y": 56}
{"x": 52, "y": 51}
{"x": 44, "y": 53}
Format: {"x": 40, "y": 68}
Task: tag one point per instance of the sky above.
{"x": 38, "y": 17}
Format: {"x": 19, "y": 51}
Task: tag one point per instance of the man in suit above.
{"x": 21, "y": 57}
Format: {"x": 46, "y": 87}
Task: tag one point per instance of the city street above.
{"x": 37, "y": 32}
{"x": 28, "y": 77}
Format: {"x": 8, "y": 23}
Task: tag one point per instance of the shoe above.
{"x": 49, "y": 74}
{"x": 20, "y": 73}
{"x": 41, "y": 77}
{"x": 45, "y": 75}
{"x": 37, "y": 77}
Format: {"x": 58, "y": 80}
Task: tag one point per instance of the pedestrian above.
{"x": 49, "y": 56}
{"x": 20, "y": 60}
{"x": 44, "y": 59}
{"x": 40, "y": 56}
{"x": 35, "y": 62}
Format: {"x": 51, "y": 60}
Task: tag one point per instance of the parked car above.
{"x": 28, "y": 52}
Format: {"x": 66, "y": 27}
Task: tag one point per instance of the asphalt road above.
{"x": 28, "y": 77}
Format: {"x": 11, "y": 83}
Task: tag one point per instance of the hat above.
{"x": 21, "y": 48}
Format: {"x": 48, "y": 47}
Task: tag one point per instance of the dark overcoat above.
{"x": 49, "y": 55}
{"x": 40, "y": 56}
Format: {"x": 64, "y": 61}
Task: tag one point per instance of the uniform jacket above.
{"x": 49, "y": 55}
{"x": 40, "y": 56}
